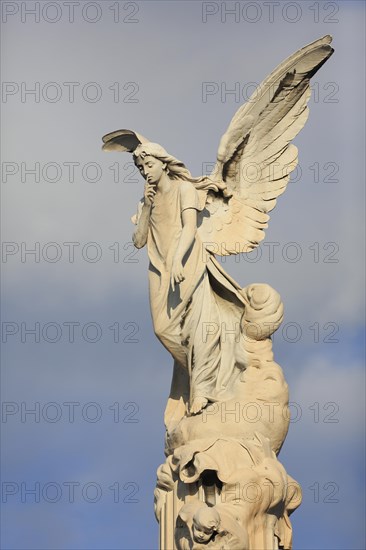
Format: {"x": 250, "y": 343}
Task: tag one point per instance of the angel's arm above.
{"x": 139, "y": 237}
{"x": 189, "y": 220}
{"x": 189, "y": 202}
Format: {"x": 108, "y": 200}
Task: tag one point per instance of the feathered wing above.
{"x": 255, "y": 157}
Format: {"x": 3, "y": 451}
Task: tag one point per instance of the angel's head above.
{"x": 151, "y": 168}
{"x": 153, "y": 158}
{"x": 206, "y": 522}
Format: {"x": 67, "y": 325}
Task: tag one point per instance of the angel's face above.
{"x": 202, "y": 533}
{"x": 151, "y": 168}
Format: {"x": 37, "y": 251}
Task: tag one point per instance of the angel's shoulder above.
{"x": 186, "y": 187}
{"x": 188, "y": 195}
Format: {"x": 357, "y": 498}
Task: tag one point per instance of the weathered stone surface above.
{"x": 222, "y": 485}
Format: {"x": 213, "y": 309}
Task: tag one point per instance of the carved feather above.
{"x": 255, "y": 157}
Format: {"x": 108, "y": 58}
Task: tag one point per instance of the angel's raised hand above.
{"x": 149, "y": 193}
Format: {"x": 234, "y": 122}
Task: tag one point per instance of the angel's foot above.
{"x": 198, "y": 404}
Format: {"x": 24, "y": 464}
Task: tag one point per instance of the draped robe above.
{"x": 199, "y": 321}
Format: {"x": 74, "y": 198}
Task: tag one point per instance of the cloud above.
{"x": 169, "y": 54}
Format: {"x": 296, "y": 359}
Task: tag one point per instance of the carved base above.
{"x": 222, "y": 486}
{"x": 225, "y": 494}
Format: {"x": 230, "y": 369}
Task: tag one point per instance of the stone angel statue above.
{"x": 197, "y": 308}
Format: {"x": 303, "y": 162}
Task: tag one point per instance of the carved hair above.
{"x": 176, "y": 168}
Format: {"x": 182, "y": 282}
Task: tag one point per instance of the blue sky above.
{"x": 93, "y": 352}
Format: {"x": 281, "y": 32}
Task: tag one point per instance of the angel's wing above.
{"x": 255, "y": 157}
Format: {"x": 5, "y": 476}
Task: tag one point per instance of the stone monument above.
{"x": 222, "y": 485}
